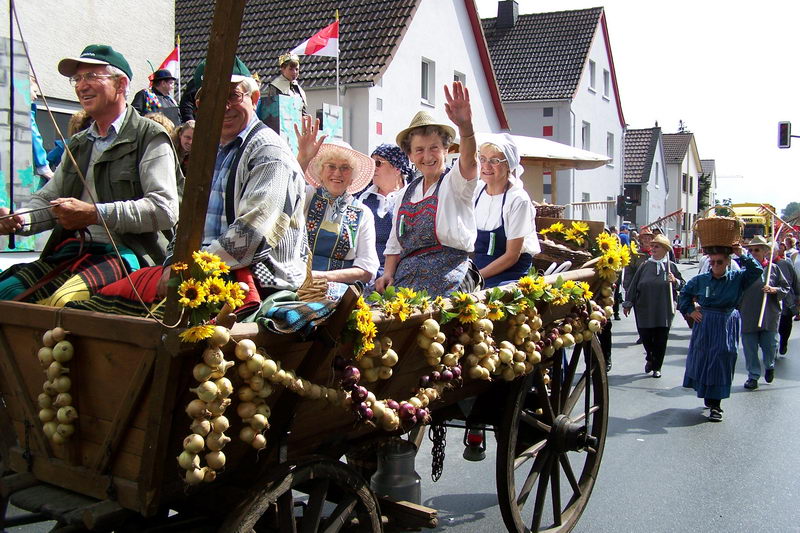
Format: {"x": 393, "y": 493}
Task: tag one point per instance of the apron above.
{"x": 383, "y": 227}
{"x": 331, "y": 240}
{"x": 491, "y": 244}
{"x": 425, "y": 264}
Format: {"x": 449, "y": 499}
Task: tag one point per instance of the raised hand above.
{"x": 307, "y": 142}
{"x": 458, "y": 108}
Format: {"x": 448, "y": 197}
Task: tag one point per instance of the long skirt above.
{"x": 712, "y": 357}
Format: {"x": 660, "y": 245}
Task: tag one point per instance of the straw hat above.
{"x": 758, "y": 240}
{"x": 663, "y": 241}
{"x": 420, "y": 120}
{"x": 362, "y": 172}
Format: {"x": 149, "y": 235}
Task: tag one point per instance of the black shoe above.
{"x": 639, "y": 340}
{"x": 769, "y": 375}
{"x": 656, "y": 373}
{"x": 608, "y": 366}
{"x": 783, "y": 349}
{"x": 715, "y": 415}
{"x": 648, "y": 367}
{"x": 751, "y": 384}
{"x": 616, "y": 317}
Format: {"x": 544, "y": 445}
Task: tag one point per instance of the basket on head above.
{"x": 719, "y": 231}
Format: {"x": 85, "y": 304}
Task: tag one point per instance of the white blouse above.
{"x": 455, "y": 219}
{"x": 518, "y": 214}
{"x": 362, "y": 253}
{"x": 385, "y": 203}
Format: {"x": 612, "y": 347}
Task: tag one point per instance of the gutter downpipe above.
{"x": 572, "y": 171}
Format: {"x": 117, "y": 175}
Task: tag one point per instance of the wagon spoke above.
{"x": 533, "y": 451}
{"x": 556, "y": 492}
{"x": 340, "y": 514}
{"x": 533, "y": 475}
{"x": 541, "y": 494}
{"x": 532, "y": 421}
{"x": 286, "y": 513}
{"x": 573, "y": 482}
{"x": 555, "y": 380}
{"x": 575, "y": 395}
{"x": 541, "y": 392}
{"x": 313, "y": 512}
{"x": 593, "y": 409}
{"x": 570, "y": 375}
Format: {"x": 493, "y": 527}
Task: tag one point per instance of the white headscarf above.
{"x": 506, "y": 145}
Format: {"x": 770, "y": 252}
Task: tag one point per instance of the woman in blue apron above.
{"x": 341, "y": 230}
{"x": 434, "y": 224}
{"x": 504, "y": 214}
{"x": 392, "y": 171}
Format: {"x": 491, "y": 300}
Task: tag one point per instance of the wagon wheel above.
{"x": 556, "y": 450}
{"x": 318, "y": 494}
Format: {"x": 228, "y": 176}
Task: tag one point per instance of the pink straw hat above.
{"x": 363, "y": 170}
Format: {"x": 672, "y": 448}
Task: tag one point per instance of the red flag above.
{"x": 323, "y": 43}
{"x": 171, "y": 63}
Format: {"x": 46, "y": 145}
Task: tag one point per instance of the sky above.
{"x": 728, "y": 69}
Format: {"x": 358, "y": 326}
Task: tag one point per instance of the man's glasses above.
{"x": 88, "y": 77}
{"x": 235, "y": 98}
{"x": 344, "y": 169}
{"x": 494, "y": 161}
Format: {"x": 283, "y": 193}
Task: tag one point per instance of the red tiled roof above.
{"x": 639, "y": 150}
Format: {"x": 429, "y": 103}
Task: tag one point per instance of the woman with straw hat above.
{"x": 711, "y": 299}
{"x": 434, "y": 222}
{"x": 648, "y": 294}
{"x": 504, "y": 214}
{"x": 341, "y": 230}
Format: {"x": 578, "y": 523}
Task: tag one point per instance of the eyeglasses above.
{"x": 235, "y": 98}
{"x": 378, "y": 163}
{"x": 88, "y": 77}
{"x": 494, "y": 161}
{"x": 344, "y": 169}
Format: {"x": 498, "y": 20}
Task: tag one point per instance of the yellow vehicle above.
{"x": 756, "y": 221}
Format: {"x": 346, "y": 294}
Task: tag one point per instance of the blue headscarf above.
{"x": 397, "y": 158}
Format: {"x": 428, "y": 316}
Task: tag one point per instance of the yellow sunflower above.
{"x": 468, "y": 314}
{"x": 526, "y": 284}
{"x": 569, "y": 285}
{"x": 580, "y": 226}
{"x": 613, "y": 260}
{"x": 634, "y": 248}
{"x": 207, "y": 261}
{"x": 197, "y": 333}
{"x": 495, "y": 311}
{"x": 625, "y": 256}
{"x": 216, "y": 291}
{"x": 574, "y": 236}
{"x": 522, "y": 304}
{"x": 235, "y": 297}
{"x": 587, "y": 292}
{"x": 408, "y": 294}
{"x": 606, "y": 242}
{"x": 556, "y": 227}
{"x": 399, "y": 307}
{"x": 179, "y": 267}
{"x": 461, "y": 298}
{"x": 438, "y": 302}
{"x": 192, "y": 293}
{"x": 559, "y": 297}
{"x": 223, "y": 267}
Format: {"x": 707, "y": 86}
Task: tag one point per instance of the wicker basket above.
{"x": 558, "y": 253}
{"x": 312, "y": 289}
{"x": 719, "y": 231}
{"x": 550, "y": 211}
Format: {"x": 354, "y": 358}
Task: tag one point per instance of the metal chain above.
{"x": 438, "y": 436}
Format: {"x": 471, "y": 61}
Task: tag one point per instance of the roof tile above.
{"x": 639, "y": 150}
{"x": 675, "y": 146}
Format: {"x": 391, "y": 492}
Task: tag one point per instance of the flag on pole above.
{"x": 171, "y": 63}
{"x": 323, "y": 43}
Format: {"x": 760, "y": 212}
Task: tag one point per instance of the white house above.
{"x": 557, "y": 81}
{"x": 683, "y": 171}
{"x": 646, "y": 183}
{"x": 395, "y": 58}
{"x": 708, "y": 181}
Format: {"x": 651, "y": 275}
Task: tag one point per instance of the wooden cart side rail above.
{"x": 140, "y": 332}
{"x": 16, "y": 382}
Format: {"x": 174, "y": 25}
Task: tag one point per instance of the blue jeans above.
{"x": 751, "y": 342}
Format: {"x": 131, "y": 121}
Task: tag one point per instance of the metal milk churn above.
{"x": 396, "y": 477}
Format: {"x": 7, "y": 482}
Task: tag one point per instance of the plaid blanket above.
{"x": 294, "y": 317}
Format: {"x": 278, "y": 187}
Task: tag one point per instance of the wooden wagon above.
{"x": 131, "y": 380}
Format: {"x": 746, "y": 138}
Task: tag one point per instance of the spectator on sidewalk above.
{"x": 790, "y": 306}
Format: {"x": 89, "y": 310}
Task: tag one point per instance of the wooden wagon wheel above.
{"x": 551, "y": 441}
{"x": 318, "y": 494}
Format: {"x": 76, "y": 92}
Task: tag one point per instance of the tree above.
{"x": 792, "y": 209}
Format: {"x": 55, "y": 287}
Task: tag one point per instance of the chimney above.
{"x": 507, "y": 12}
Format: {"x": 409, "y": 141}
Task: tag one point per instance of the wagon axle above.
{"x": 570, "y": 436}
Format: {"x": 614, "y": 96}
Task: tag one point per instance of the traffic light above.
{"x": 784, "y": 134}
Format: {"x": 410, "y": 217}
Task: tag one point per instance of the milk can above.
{"x": 396, "y": 477}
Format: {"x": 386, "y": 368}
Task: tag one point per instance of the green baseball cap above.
{"x": 240, "y": 72}
{"x": 95, "y": 54}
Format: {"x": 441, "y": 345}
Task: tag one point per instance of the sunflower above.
{"x": 207, "y": 261}
{"x": 400, "y": 308}
{"x": 362, "y": 317}
{"x": 468, "y": 314}
{"x": 574, "y": 236}
{"x": 223, "y": 267}
{"x": 556, "y": 227}
{"x": 587, "y": 292}
{"x": 496, "y": 311}
{"x": 462, "y": 298}
{"x": 559, "y": 297}
{"x": 526, "y": 284}
{"x": 438, "y": 302}
{"x": 569, "y": 285}
{"x": 606, "y": 242}
{"x": 197, "y": 333}
{"x": 192, "y": 293}
{"x": 179, "y": 267}
{"x": 580, "y": 226}
{"x": 625, "y": 256}
{"x": 216, "y": 291}
{"x": 613, "y": 260}
{"x": 634, "y": 248}
{"x": 522, "y": 304}
{"x": 235, "y": 297}
{"x": 408, "y": 294}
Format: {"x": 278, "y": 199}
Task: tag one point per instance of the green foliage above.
{"x": 792, "y": 209}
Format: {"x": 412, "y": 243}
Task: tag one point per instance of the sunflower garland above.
{"x": 614, "y": 256}
{"x": 361, "y": 325}
{"x": 577, "y": 232}
{"x": 401, "y": 302}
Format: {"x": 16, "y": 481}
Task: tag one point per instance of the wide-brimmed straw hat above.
{"x": 663, "y": 241}
{"x": 422, "y": 119}
{"x": 362, "y": 172}
{"x": 758, "y": 240}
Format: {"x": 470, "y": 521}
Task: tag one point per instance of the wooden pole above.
{"x": 216, "y": 87}
{"x": 769, "y": 275}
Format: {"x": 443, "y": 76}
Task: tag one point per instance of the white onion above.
{"x": 209, "y": 474}
{"x": 384, "y": 372}
{"x": 259, "y": 422}
{"x": 429, "y": 328}
{"x": 245, "y": 349}
{"x": 45, "y": 356}
{"x": 216, "y": 441}
{"x": 220, "y": 424}
{"x": 244, "y": 372}
{"x": 202, "y": 372}
{"x": 47, "y": 339}
{"x": 58, "y": 334}
{"x": 224, "y": 387}
{"x": 213, "y": 357}
{"x": 46, "y": 415}
{"x": 206, "y": 391}
{"x": 218, "y": 406}
{"x": 424, "y": 341}
{"x": 268, "y": 368}
{"x": 197, "y": 409}
{"x": 55, "y": 369}
{"x": 65, "y": 430}
{"x": 62, "y": 383}
{"x": 194, "y": 476}
{"x": 246, "y": 409}
{"x": 265, "y": 391}
{"x": 63, "y": 351}
{"x": 247, "y": 434}
{"x": 390, "y": 358}
{"x": 67, "y": 414}
{"x": 49, "y": 388}
{"x": 194, "y": 443}
{"x": 57, "y": 438}
{"x": 255, "y": 362}
{"x": 246, "y": 394}
{"x": 189, "y": 460}
{"x": 259, "y": 442}
{"x": 221, "y": 369}
{"x": 49, "y": 428}
{"x": 220, "y": 336}
{"x": 62, "y": 400}
{"x": 263, "y": 409}
{"x": 201, "y": 426}
{"x": 215, "y": 460}
{"x": 256, "y": 383}
{"x": 45, "y": 401}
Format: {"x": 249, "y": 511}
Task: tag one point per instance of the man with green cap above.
{"x": 131, "y": 181}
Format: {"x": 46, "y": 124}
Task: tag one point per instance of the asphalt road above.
{"x": 665, "y": 467}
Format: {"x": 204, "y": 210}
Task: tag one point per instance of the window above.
{"x": 547, "y": 111}
{"x": 656, "y": 173}
{"x": 685, "y": 185}
{"x": 379, "y": 104}
{"x": 585, "y": 197}
{"x": 585, "y": 136}
{"x": 691, "y": 184}
{"x": 606, "y": 83}
{"x": 428, "y": 81}
{"x": 458, "y": 76}
{"x": 610, "y": 148}
{"x": 592, "y": 71}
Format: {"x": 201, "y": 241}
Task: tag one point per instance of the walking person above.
{"x": 763, "y": 334}
{"x": 649, "y": 296}
{"x": 710, "y": 299}
{"x": 790, "y": 307}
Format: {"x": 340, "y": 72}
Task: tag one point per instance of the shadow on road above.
{"x": 456, "y": 509}
{"x": 655, "y": 423}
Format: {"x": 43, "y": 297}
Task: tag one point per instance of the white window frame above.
{"x": 592, "y": 75}
{"x": 606, "y": 84}
{"x": 610, "y": 148}
{"x": 586, "y": 136}
{"x": 460, "y": 76}
{"x": 427, "y": 81}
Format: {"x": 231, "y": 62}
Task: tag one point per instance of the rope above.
{"x": 83, "y": 179}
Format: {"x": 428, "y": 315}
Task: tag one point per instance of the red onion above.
{"x": 407, "y": 411}
{"x": 447, "y": 375}
{"x": 365, "y": 412}
{"x": 350, "y": 376}
{"x": 424, "y": 382}
{"x": 391, "y": 404}
{"x": 456, "y": 370}
{"x": 423, "y": 415}
{"x": 435, "y": 375}
{"x": 359, "y": 394}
